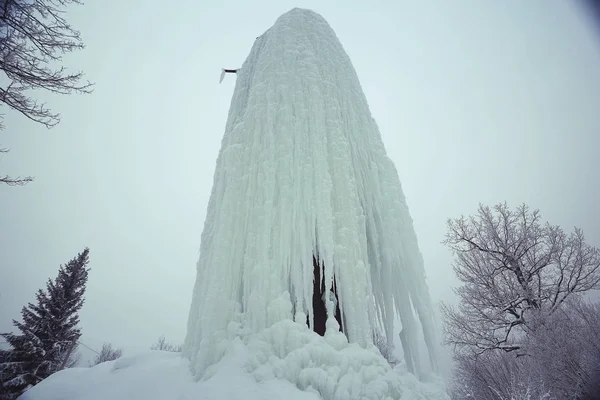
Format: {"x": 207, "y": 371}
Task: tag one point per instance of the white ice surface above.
{"x": 303, "y": 170}
{"x": 285, "y": 361}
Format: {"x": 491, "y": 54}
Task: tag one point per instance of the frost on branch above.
{"x": 562, "y": 362}
{"x": 515, "y": 272}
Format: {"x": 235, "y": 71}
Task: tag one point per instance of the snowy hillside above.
{"x": 285, "y": 361}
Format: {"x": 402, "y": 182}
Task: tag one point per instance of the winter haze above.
{"x": 477, "y": 102}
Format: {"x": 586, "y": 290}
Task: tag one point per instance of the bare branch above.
{"x": 513, "y": 270}
{"x": 15, "y": 181}
{"x": 562, "y": 362}
{"x": 163, "y": 345}
{"x": 33, "y": 37}
{"x": 107, "y": 353}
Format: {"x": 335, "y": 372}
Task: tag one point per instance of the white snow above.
{"x": 284, "y": 361}
{"x": 303, "y": 170}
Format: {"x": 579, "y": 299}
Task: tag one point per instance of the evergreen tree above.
{"x": 49, "y": 332}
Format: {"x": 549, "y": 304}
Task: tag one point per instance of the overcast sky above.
{"x": 477, "y": 101}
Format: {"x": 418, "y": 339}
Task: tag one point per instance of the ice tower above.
{"x": 307, "y": 218}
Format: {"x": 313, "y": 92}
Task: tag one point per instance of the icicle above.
{"x": 303, "y": 172}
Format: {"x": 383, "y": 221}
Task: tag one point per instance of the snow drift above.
{"x": 284, "y": 361}
{"x": 303, "y": 172}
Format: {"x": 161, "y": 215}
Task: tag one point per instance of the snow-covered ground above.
{"x": 285, "y": 361}
{"x": 302, "y": 173}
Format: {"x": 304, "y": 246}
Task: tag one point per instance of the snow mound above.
{"x": 284, "y": 361}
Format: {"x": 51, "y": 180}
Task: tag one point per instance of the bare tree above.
{"x": 515, "y": 271}
{"x": 163, "y": 345}
{"x": 33, "y": 37}
{"x": 107, "y": 353}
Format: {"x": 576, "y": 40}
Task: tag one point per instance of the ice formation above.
{"x": 303, "y": 172}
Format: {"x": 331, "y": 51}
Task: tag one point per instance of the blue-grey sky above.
{"x": 477, "y": 101}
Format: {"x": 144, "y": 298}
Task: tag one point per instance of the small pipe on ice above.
{"x": 227, "y": 71}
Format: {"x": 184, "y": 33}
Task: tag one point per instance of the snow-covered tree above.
{"x": 49, "y": 331}
{"x": 496, "y": 375}
{"x": 562, "y": 362}
{"x": 565, "y": 350}
{"x": 515, "y": 272}
{"x": 107, "y": 353}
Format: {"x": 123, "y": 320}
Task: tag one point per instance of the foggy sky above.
{"x": 476, "y": 101}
